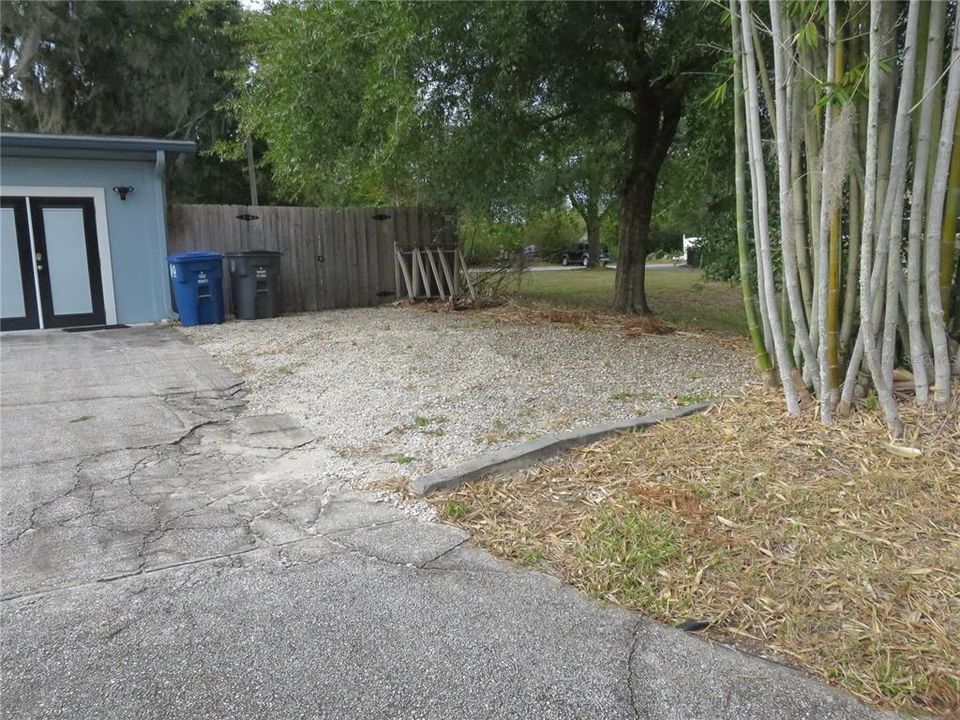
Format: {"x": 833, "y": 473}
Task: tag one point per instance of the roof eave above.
{"x": 96, "y": 143}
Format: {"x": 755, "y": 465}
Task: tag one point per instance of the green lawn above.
{"x": 681, "y": 296}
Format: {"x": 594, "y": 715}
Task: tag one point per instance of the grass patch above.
{"x": 455, "y": 509}
{"x": 817, "y": 545}
{"x": 404, "y": 459}
{"x": 690, "y": 399}
{"x": 625, "y": 545}
{"x": 680, "y": 296}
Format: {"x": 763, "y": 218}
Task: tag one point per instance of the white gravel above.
{"x": 401, "y": 391}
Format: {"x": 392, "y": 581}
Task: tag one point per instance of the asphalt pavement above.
{"x": 164, "y": 556}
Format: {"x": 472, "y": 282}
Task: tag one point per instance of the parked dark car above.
{"x": 579, "y": 254}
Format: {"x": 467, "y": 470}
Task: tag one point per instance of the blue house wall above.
{"x": 136, "y": 226}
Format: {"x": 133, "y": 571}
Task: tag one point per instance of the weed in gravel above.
{"x": 690, "y": 399}
{"x": 424, "y": 424}
{"x": 404, "y": 459}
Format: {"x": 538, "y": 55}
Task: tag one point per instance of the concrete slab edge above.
{"x": 526, "y": 454}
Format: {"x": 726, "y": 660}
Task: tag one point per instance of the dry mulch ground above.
{"x": 822, "y": 547}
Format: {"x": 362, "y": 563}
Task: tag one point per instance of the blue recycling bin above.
{"x": 197, "y": 281}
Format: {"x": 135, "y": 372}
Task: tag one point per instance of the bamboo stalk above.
{"x": 755, "y": 153}
{"x": 935, "y": 207}
{"x": 762, "y": 71}
{"x": 761, "y": 284}
{"x": 888, "y": 99}
{"x": 811, "y": 144}
{"x": 783, "y": 76}
{"x": 832, "y": 323}
{"x": 853, "y": 264}
{"x": 756, "y": 333}
{"x": 866, "y": 338}
{"x": 933, "y": 49}
{"x": 800, "y": 200}
{"x": 889, "y": 238}
{"x": 948, "y": 236}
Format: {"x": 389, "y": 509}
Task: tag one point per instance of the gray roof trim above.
{"x": 94, "y": 142}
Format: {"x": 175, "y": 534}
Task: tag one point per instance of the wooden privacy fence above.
{"x": 332, "y": 257}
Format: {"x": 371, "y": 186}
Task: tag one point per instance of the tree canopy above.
{"x": 467, "y": 104}
{"x": 160, "y": 69}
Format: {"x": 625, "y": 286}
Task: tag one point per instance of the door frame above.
{"x": 103, "y": 235}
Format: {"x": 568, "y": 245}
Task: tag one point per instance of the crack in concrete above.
{"x": 425, "y": 566}
{"x": 127, "y": 478}
{"x": 348, "y": 547}
{"x": 32, "y": 519}
{"x": 269, "y": 498}
{"x": 266, "y": 546}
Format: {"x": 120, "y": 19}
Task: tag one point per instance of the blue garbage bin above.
{"x": 197, "y": 280}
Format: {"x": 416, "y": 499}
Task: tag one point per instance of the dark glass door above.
{"x": 67, "y": 261}
{"x": 18, "y": 304}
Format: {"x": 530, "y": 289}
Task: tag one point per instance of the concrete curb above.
{"x": 528, "y": 453}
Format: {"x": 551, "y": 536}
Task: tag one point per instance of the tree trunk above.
{"x": 636, "y": 206}
{"x": 656, "y": 120}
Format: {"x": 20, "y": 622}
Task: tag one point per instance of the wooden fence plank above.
{"x": 373, "y": 257}
{"x": 323, "y": 250}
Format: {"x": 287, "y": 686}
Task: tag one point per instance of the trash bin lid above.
{"x": 183, "y": 257}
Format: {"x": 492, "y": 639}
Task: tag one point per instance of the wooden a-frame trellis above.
{"x": 431, "y": 269}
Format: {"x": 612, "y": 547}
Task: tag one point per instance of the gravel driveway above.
{"x": 402, "y": 391}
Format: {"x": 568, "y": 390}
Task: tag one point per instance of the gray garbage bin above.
{"x": 255, "y": 282}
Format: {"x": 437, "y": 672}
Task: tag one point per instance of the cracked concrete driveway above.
{"x": 164, "y": 558}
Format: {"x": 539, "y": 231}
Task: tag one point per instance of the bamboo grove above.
{"x": 854, "y": 104}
